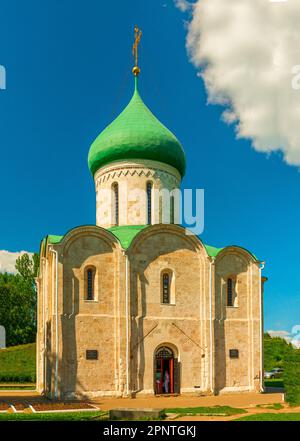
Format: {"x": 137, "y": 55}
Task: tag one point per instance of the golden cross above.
{"x": 137, "y": 38}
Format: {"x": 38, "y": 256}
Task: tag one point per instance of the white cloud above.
{"x": 183, "y": 5}
{"x": 247, "y": 53}
{"x": 292, "y": 337}
{"x": 296, "y": 336}
{"x": 8, "y": 260}
{"x": 281, "y": 334}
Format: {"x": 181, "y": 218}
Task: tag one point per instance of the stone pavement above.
{"x": 233, "y": 400}
{"x": 245, "y": 401}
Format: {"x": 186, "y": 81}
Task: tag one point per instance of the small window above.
{"x": 115, "y": 203}
{"x": 229, "y": 292}
{"x": 233, "y": 353}
{"x": 172, "y": 209}
{"x": 90, "y": 284}
{"x": 160, "y": 210}
{"x": 149, "y": 203}
{"x": 166, "y": 288}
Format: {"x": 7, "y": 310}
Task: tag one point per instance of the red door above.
{"x": 164, "y": 368}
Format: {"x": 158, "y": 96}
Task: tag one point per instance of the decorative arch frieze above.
{"x": 138, "y": 172}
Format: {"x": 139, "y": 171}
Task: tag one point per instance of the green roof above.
{"x": 54, "y": 239}
{"x": 212, "y": 251}
{"x": 125, "y": 234}
{"x": 136, "y": 134}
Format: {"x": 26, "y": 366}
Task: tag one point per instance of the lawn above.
{"x": 17, "y": 364}
{"x": 216, "y": 410}
{"x": 274, "y": 382}
{"x": 271, "y": 417}
{"x": 55, "y": 416}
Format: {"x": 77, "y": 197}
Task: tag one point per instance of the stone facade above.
{"x": 132, "y": 178}
{"x": 127, "y": 322}
{"x": 134, "y": 305}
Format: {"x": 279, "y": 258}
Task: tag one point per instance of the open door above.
{"x": 164, "y": 371}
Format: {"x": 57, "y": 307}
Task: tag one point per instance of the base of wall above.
{"x": 146, "y": 393}
{"x": 84, "y": 395}
{"x": 238, "y": 390}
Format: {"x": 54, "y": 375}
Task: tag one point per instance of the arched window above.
{"x": 166, "y": 285}
{"x": 115, "y": 204}
{"x": 229, "y": 292}
{"x": 149, "y": 203}
{"x": 90, "y": 284}
{"x": 172, "y": 210}
{"x": 160, "y": 210}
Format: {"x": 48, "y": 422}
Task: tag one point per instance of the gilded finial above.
{"x": 137, "y": 37}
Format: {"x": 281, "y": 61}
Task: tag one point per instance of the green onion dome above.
{"x": 136, "y": 134}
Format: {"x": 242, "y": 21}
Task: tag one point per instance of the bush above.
{"x": 17, "y": 378}
{"x": 291, "y": 377}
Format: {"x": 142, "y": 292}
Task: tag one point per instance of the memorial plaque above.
{"x": 92, "y": 354}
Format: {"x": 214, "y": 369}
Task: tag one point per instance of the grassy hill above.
{"x": 17, "y": 364}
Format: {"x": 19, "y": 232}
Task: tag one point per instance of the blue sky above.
{"x": 68, "y": 69}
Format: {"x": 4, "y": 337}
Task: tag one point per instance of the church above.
{"x": 133, "y": 305}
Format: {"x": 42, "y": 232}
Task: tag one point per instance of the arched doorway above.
{"x": 164, "y": 371}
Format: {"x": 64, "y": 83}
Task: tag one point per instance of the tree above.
{"x": 18, "y": 301}
{"x": 291, "y": 377}
{"x": 275, "y": 351}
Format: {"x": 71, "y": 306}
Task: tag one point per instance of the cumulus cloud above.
{"x": 292, "y": 337}
{"x": 8, "y": 260}
{"x": 247, "y": 53}
{"x": 183, "y": 5}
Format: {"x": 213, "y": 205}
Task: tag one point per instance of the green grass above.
{"x": 274, "y": 382}
{"x": 271, "y": 417}
{"x": 17, "y": 387}
{"x": 216, "y": 410}
{"x": 55, "y": 416}
{"x": 275, "y": 406}
{"x": 17, "y": 364}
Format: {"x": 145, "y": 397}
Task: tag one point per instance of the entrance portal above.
{"x": 164, "y": 371}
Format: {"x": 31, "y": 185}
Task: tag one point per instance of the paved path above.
{"x": 249, "y": 402}
{"x": 245, "y": 401}
{"x": 233, "y": 400}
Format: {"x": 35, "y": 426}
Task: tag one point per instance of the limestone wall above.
{"x": 237, "y": 327}
{"x": 132, "y": 178}
{"x": 179, "y": 325}
{"x": 127, "y": 322}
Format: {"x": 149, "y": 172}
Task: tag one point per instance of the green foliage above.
{"x": 291, "y": 377}
{"x": 17, "y": 364}
{"x": 278, "y": 353}
{"x": 275, "y": 351}
{"x": 27, "y": 267}
{"x": 18, "y": 301}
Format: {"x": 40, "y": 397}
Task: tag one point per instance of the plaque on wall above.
{"x": 92, "y": 354}
{"x": 233, "y": 353}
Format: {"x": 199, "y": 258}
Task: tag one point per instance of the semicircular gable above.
{"x": 89, "y": 231}
{"x": 191, "y": 240}
{"x": 243, "y": 253}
